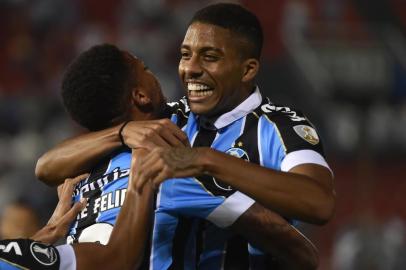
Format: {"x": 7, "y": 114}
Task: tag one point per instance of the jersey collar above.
{"x": 245, "y": 107}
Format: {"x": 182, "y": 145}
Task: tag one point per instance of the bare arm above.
{"x": 79, "y": 154}
{"x": 305, "y": 193}
{"x": 76, "y": 155}
{"x": 273, "y": 234}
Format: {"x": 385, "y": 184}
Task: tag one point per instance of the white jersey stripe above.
{"x": 299, "y": 157}
{"x": 230, "y": 210}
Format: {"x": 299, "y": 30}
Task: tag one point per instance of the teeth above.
{"x": 197, "y": 87}
{"x": 200, "y": 93}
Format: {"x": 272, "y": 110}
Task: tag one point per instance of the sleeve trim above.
{"x": 230, "y": 210}
{"x": 299, "y": 157}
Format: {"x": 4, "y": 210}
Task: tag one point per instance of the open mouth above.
{"x": 196, "y": 90}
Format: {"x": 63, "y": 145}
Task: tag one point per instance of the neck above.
{"x": 148, "y": 113}
{"x": 142, "y": 116}
{"x": 245, "y": 93}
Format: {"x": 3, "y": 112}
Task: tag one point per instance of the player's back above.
{"x": 105, "y": 189}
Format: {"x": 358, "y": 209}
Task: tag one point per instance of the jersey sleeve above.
{"x": 295, "y": 139}
{"x": 28, "y": 254}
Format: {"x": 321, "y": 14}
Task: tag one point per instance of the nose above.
{"x": 191, "y": 68}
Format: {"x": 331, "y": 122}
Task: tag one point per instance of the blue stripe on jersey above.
{"x": 227, "y": 135}
{"x": 188, "y": 197}
{"x": 4, "y": 265}
{"x": 254, "y": 251}
{"x": 174, "y": 118}
{"x": 191, "y": 128}
{"x": 270, "y": 146}
{"x": 164, "y": 231}
{"x": 112, "y": 196}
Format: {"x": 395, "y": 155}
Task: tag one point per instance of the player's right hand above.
{"x": 152, "y": 134}
{"x": 64, "y": 213}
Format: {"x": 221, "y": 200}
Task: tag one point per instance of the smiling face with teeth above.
{"x": 216, "y": 75}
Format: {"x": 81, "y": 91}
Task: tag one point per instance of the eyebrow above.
{"x": 204, "y": 49}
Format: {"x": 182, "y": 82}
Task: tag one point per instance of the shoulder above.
{"x": 179, "y": 111}
{"x": 179, "y": 106}
{"x": 294, "y": 129}
{"x": 280, "y": 115}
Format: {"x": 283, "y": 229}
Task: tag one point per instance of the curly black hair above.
{"x": 96, "y": 87}
{"x": 238, "y": 20}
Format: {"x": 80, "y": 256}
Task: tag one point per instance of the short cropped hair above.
{"x": 96, "y": 87}
{"x": 238, "y": 20}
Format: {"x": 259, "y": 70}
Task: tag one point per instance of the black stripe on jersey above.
{"x": 205, "y": 137}
{"x": 96, "y": 174}
{"x": 181, "y": 236}
{"x": 264, "y": 262}
{"x": 237, "y": 257}
{"x": 200, "y": 239}
{"x": 248, "y": 141}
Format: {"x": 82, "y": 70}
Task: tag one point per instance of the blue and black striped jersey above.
{"x": 258, "y": 131}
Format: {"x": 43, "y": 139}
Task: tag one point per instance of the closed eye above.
{"x": 211, "y": 58}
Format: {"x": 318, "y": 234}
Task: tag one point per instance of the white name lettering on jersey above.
{"x": 291, "y": 114}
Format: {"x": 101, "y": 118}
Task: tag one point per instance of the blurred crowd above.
{"x": 343, "y": 62}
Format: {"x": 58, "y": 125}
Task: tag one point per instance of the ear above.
{"x": 251, "y": 67}
{"x": 139, "y": 97}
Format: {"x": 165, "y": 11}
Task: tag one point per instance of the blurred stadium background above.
{"x": 343, "y": 62}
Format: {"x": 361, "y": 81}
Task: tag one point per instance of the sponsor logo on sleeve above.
{"x": 307, "y": 133}
{"x": 11, "y": 246}
{"x": 45, "y": 255}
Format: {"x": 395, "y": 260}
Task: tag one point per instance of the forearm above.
{"x": 137, "y": 225}
{"x": 292, "y": 195}
{"x": 76, "y": 155}
{"x": 47, "y": 235}
{"x": 274, "y": 235}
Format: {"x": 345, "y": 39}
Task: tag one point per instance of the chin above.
{"x": 199, "y": 109}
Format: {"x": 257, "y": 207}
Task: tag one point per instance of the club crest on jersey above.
{"x": 307, "y": 133}
{"x": 235, "y": 152}
{"x": 45, "y": 255}
{"x": 238, "y": 152}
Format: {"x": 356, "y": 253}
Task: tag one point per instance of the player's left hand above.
{"x": 64, "y": 213}
{"x": 163, "y": 163}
